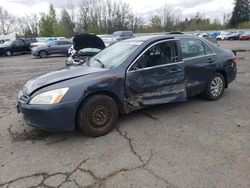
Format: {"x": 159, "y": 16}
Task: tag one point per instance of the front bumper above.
{"x": 34, "y": 53}
{"x": 56, "y": 117}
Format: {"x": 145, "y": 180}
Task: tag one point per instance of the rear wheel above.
{"x": 215, "y": 87}
{"x": 43, "y": 54}
{"x": 98, "y": 115}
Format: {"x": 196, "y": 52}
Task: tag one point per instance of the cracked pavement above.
{"x": 192, "y": 144}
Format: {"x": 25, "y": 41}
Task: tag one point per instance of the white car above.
{"x": 222, "y": 36}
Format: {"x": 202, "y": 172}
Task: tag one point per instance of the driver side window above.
{"x": 159, "y": 54}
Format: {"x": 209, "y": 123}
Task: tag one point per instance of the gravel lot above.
{"x": 193, "y": 144}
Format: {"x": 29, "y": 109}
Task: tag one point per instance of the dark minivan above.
{"x": 127, "y": 76}
{"x": 16, "y": 46}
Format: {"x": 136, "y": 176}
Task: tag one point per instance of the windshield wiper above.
{"x": 100, "y": 62}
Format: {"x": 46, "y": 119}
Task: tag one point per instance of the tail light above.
{"x": 234, "y": 60}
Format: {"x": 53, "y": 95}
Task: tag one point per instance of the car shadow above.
{"x": 50, "y": 138}
{"x": 14, "y": 55}
{"x": 50, "y": 57}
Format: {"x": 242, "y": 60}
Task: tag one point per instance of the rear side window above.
{"x": 192, "y": 47}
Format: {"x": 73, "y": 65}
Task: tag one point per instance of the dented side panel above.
{"x": 156, "y": 85}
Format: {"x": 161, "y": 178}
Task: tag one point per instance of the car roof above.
{"x": 158, "y": 37}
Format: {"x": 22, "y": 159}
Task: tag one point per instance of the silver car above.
{"x": 53, "y": 47}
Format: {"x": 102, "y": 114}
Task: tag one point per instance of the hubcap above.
{"x": 8, "y": 53}
{"x": 100, "y": 115}
{"x": 43, "y": 54}
{"x": 216, "y": 86}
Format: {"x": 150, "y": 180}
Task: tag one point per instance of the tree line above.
{"x": 107, "y": 16}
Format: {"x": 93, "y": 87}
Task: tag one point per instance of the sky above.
{"x": 208, "y": 8}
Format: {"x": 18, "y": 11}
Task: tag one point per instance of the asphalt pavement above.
{"x": 193, "y": 144}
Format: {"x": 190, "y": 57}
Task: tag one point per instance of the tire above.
{"x": 8, "y": 53}
{"x": 215, "y": 87}
{"x": 43, "y": 54}
{"x": 98, "y": 115}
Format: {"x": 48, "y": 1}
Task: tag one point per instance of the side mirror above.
{"x": 235, "y": 52}
{"x": 49, "y": 46}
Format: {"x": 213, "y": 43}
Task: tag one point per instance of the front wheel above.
{"x": 8, "y": 53}
{"x": 215, "y": 87}
{"x": 98, "y": 115}
{"x": 43, "y": 54}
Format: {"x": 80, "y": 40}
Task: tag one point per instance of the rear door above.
{"x": 156, "y": 76}
{"x": 200, "y": 63}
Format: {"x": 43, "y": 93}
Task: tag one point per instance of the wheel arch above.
{"x": 44, "y": 51}
{"x": 107, "y": 93}
{"x": 225, "y": 77}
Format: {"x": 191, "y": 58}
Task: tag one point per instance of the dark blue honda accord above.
{"x": 127, "y": 76}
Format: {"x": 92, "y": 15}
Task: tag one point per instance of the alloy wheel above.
{"x": 43, "y": 54}
{"x": 216, "y": 86}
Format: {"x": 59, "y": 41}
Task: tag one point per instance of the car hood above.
{"x": 87, "y": 41}
{"x": 57, "y": 76}
{"x": 1, "y": 46}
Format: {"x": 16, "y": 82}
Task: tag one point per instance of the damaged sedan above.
{"x": 126, "y": 76}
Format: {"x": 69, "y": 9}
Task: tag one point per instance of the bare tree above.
{"x": 6, "y": 21}
{"x": 103, "y": 16}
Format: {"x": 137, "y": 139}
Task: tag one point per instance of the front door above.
{"x": 52, "y": 47}
{"x": 156, "y": 76}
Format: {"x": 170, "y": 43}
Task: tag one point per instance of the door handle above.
{"x": 210, "y": 60}
{"x": 175, "y": 70}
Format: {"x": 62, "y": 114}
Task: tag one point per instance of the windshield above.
{"x": 114, "y": 55}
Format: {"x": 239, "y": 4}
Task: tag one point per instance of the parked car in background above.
{"x": 121, "y": 35}
{"x": 53, "y": 47}
{"x": 215, "y": 34}
{"x": 40, "y": 42}
{"x": 245, "y": 36}
{"x": 129, "y": 75}
{"x": 234, "y": 35}
{"x": 222, "y": 36}
{"x": 84, "y": 47}
{"x": 208, "y": 37}
{"x": 29, "y": 41}
{"x": 16, "y": 46}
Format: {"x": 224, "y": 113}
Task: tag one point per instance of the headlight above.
{"x": 49, "y": 97}
{"x": 34, "y": 49}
